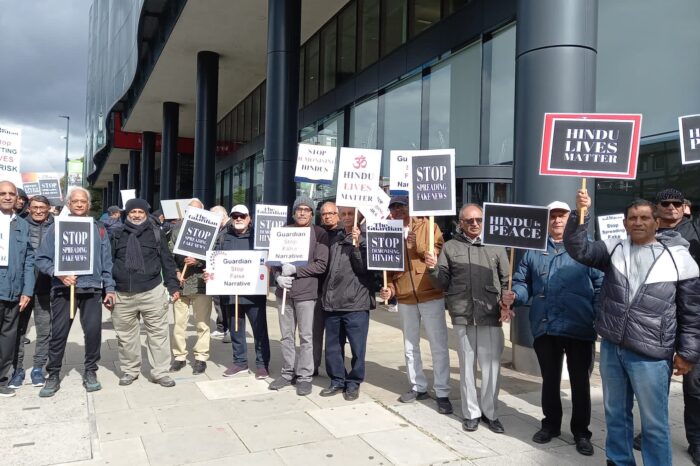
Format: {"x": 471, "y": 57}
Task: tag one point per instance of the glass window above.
{"x": 424, "y": 14}
{"x": 226, "y": 197}
{"x": 258, "y": 176}
{"x": 248, "y": 110}
{"x": 454, "y": 105}
{"x": 239, "y": 194}
{"x": 347, "y": 27}
{"x": 234, "y": 126}
{"x": 263, "y": 102}
{"x": 402, "y": 119}
{"x": 302, "y": 58}
{"x": 369, "y": 32}
{"x": 501, "y": 98}
{"x": 363, "y": 125}
{"x": 453, "y": 5}
{"x": 394, "y": 23}
{"x": 311, "y": 70}
{"x": 241, "y": 123}
{"x": 255, "y": 114}
{"x": 328, "y": 43}
{"x": 219, "y": 191}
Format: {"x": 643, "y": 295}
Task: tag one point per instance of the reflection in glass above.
{"x": 369, "y": 30}
{"x": 347, "y": 23}
{"x": 425, "y": 13}
{"x": 393, "y": 24}
{"x": 501, "y": 97}
{"x": 258, "y": 176}
{"x": 363, "y": 125}
{"x": 328, "y": 42}
{"x": 311, "y": 70}
{"x": 402, "y": 118}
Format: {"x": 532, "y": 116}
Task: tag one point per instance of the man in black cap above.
{"x": 140, "y": 254}
{"x": 114, "y": 220}
{"x": 21, "y": 203}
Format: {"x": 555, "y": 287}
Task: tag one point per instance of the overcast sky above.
{"x": 43, "y": 51}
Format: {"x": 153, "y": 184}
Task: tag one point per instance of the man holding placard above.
{"x": 141, "y": 257}
{"x": 16, "y": 276}
{"x": 69, "y": 251}
{"x": 473, "y": 276}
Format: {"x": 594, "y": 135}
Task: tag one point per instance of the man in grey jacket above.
{"x": 473, "y": 277}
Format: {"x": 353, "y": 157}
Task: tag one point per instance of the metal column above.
{"x": 115, "y": 190}
{"x": 148, "y": 156}
{"x": 168, "y": 153}
{"x": 132, "y": 178}
{"x": 205, "y": 127}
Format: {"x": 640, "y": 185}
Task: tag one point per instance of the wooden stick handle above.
{"x": 72, "y": 302}
{"x": 354, "y": 224}
{"x": 235, "y": 326}
{"x": 431, "y": 236}
{"x": 184, "y": 271}
{"x": 386, "y": 301}
{"x": 582, "y": 213}
{"x": 510, "y": 272}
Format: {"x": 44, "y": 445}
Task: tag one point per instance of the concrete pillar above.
{"x": 205, "y": 127}
{"x": 123, "y": 175}
{"x": 105, "y": 199}
{"x": 110, "y": 194}
{"x": 148, "y": 157}
{"x": 133, "y": 179}
{"x": 168, "y": 153}
{"x": 115, "y": 190}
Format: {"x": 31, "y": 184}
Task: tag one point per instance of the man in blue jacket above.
{"x": 16, "y": 278}
{"x": 563, "y": 294}
{"x": 88, "y": 298}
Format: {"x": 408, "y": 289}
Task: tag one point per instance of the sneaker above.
{"x": 127, "y": 379}
{"x": 7, "y": 392}
{"x": 236, "y": 370}
{"x": 584, "y": 446}
{"x": 303, "y": 388}
{"x": 218, "y": 334}
{"x": 164, "y": 381}
{"x": 177, "y": 365}
{"x": 544, "y": 436}
{"x": 279, "y": 383}
{"x": 52, "y": 385}
{"x": 443, "y": 405}
{"x": 351, "y": 394}
{"x": 261, "y": 373}
{"x": 199, "y": 367}
{"x": 226, "y": 338}
{"x": 331, "y": 390}
{"x": 493, "y": 424}
{"x": 90, "y": 381}
{"x": 412, "y": 395}
{"x": 17, "y": 379}
{"x": 37, "y": 376}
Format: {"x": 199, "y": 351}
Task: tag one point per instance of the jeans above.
{"x": 432, "y": 315}
{"x": 258, "y": 322}
{"x": 297, "y": 315}
{"x": 691, "y": 399}
{"x": 550, "y": 350}
{"x": 353, "y": 326}
{"x": 41, "y": 307}
{"x": 9, "y": 315}
{"x": 628, "y": 375}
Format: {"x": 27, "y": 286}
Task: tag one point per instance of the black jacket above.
{"x": 230, "y": 240}
{"x": 348, "y": 285}
{"x": 689, "y": 230}
{"x": 37, "y": 232}
{"x": 158, "y": 261}
{"x": 664, "y": 316}
{"x": 305, "y": 285}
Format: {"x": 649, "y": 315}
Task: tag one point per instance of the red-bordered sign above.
{"x": 595, "y": 145}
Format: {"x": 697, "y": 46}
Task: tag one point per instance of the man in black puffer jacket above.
{"x": 649, "y": 310}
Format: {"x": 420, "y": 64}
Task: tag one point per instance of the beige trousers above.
{"x": 201, "y": 309}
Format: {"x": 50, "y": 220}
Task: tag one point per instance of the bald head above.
{"x": 196, "y": 203}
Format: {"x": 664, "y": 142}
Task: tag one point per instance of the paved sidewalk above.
{"x": 211, "y": 420}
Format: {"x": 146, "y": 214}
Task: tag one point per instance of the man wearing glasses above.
{"x": 473, "y": 277}
{"x": 302, "y": 292}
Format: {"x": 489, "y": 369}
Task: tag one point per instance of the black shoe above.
{"x": 470, "y": 425}
{"x": 332, "y": 390}
{"x": 51, "y": 386}
{"x": 26, "y": 340}
{"x": 127, "y": 379}
{"x": 303, "y": 388}
{"x": 637, "y": 442}
{"x": 443, "y": 405}
{"x": 199, "y": 367}
{"x": 279, "y": 383}
{"x": 493, "y": 424}
{"x": 694, "y": 451}
{"x": 351, "y": 394}
{"x": 584, "y": 446}
{"x": 177, "y": 365}
{"x": 90, "y": 382}
{"x": 544, "y": 436}
{"x": 412, "y": 395}
{"x": 164, "y": 381}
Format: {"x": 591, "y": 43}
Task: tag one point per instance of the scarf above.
{"x": 134, "y": 255}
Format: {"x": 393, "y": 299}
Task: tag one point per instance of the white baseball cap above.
{"x": 239, "y": 209}
{"x": 559, "y": 205}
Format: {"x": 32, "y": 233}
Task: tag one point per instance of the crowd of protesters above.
{"x": 639, "y": 294}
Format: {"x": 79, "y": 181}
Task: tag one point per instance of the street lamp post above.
{"x": 65, "y": 194}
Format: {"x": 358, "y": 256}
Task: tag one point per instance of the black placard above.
{"x": 31, "y": 189}
{"x": 689, "y": 128}
{"x": 516, "y": 226}
{"x": 385, "y": 245}
{"x": 73, "y": 246}
{"x": 51, "y": 189}
{"x": 267, "y": 217}
{"x": 197, "y": 234}
{"x": 432, "y": 184}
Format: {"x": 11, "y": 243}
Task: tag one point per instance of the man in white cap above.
{"x": 563, "y": 293}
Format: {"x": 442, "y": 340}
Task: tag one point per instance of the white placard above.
{"x": 612, "y": 226}
{"x": 379, "y": 210}
{"x": 174, "y": 208}
{"x": 237, "y": 273}
{"x": 289, "y": 246}
{"x": 127, "y": 195}
{"x": 4, "y": 240}
{"x": 358, "y": 176}
{"x": 10, "y": 152}
{"x": 197, "y": 233}
{"x": 74, "y": 245}
{"x": 399, "y": 172}
{"x": 315, "y": 164}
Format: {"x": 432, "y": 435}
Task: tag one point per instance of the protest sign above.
{"x": 51, "y": 189}
{"x": 399, "y": 172}
{"x": 198, "y": 233}
{"x": 267, "y": 217}
{"x": 174, "y": 208}
{"x": 515, "y": 226}
{"x": 31, "y": 189}
{"x": 4, "y": 240}
{"x": 289, "y": 246}
{"x": 689, "y": 130}
{"x": 612, "y": 226}
{"x": 75, "y": 172}
{"x": 315, "y": 164}
{"x": 385, "y": 245}
{"x": 358, "y": 175}
{"x": 432, "y": 183}
{"x": 127, "y": 195}
{"x": 10, "y": 151}
{"x": 237, "y": 273}
{"x": 590, "y": 145}
{"x": 379, "y": 210}
{"x": 74, "y": 245}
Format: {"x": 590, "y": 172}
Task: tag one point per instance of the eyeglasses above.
{"x": 326, "y": 214}
{"x": 470, "y": 221}
{"x": 238, "y": 216}
{"x": 304, "y": 210}
{"x": 676, "y": 204}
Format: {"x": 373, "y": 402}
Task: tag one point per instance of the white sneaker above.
{"x": 227, "y": 338}
{"x": 218, "y": 334}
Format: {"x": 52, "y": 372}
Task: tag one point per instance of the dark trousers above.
{"x": 354, "y": 326}
{"x": 258, "y": 322}
{"x": 318, "y": 328}
{"x": 90, "y": 306}
{"x": 550, "y": 352}
{"x": 9, "y": 316}
{"x": 691, "y": 398}
{"x": 41, "y": 306}
{"x": 222, "y": 320}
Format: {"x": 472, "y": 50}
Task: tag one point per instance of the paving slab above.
{"x": 357, "y": 419}
{"x": 234, "y": 387}
{"x": 260, "y": 458}
{"x": 349, "y": 450}
{"x": 268, "y": 404}
{"x": 408, "y": 446}
{"x": 109, "y": 400}
{"x": 279, "y": 431}
{"x": 152, "y": 395}
{"x": 118, "y": 425}
{"x": 204, "y": 414}
{"x": 185, "y": 446}
{"x": 27, "y": 409}
{"x": 126, "y": 452}
{"x": 517, "y": 437}
{"x": 60, "y": 442}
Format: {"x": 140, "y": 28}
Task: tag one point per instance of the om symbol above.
{"x": 360, "y": 162}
